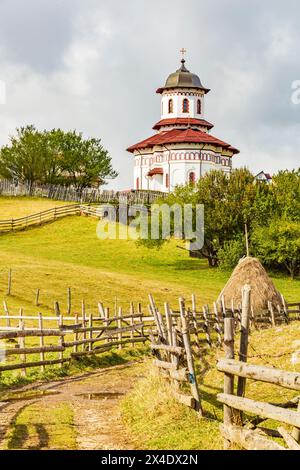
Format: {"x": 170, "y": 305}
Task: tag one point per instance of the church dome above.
{"x": 183, "y": 78}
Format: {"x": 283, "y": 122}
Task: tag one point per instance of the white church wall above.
{"x": 178, "y": 103}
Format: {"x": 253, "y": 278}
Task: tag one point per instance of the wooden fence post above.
{"x": 91, "y": 332}
{"x": 22, "y": 346}
{"x": 245, "y": 319}
{"x": 83, "y": 323}
{"x": 9, "y": 282}
{"x": 69, "y": 301}
{"x": 169, "y": 323}
{"x": 228, "y": 378}
{"x": 61, "y": 339}
{"x": 244, "y": 339}
{"x": 132, "y": 323}
{"x": 140, "y": 318}
{"x": 76, "y": 335}
{"x": 194, "y": 315}
{"x": 42, "y": 342}
{"x": 285, "y": 309}
{"x": 272, "y": 314}
{"x": 296, "y": 431}
{"x": 158, "y": 318}
{"x": 106, "y": 321}
{"x": 223, "y": 306}
{"x": 6, "y": 311}
{"x": 189, "y": 357}
{"x": 37, "y": 297}
{"x": 119, "y": 323}
{"x": 56, "y": 308}
{"x": 218, "y": 326}
{"x": 206, "y": 326}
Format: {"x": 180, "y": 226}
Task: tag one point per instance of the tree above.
{"x": 227, "y": 200}
{"x": 84, "y": 162}
{"x": 55, "y": 157}
{"x": 286, "y": 193}
{"x": 23, "y": 159}
{"x": 278, "y": 244}
{"x": 231, "y": 201}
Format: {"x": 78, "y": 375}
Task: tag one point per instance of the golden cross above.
{"x": 183, "y": 52}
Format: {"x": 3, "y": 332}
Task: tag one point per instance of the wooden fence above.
{"x": 172, "y": 349}
{"x": 40, "y": 218}
{"x": 233, "y": 428}
{"x": 205, "y": 326}
{"x": 87, "y": 195}
{"x": 73, "y": 336}
{"x": 50, "y": 215}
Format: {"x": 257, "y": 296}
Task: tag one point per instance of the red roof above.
{"x": 175, "y": 136}
{"x": 184, "y": 121}
{"x": 156, "y": 171}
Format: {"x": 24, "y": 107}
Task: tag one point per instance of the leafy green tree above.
{"x": 286, "y": 194}
{"x": 24, "y": 158}
{"x": 231, "y": 201}
{"x": 85, "y": 162}
{"x": 227, "y": 200}
{"x": 55, "y": 157}
{"x": 278, "y": 244}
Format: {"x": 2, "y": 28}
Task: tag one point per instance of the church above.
{"x": 183, "y": 149}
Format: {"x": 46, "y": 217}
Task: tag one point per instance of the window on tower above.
{"x": 167, "y": 181}
{"x": 192, "y": 178}
{"x": 170, "y": 106}
{"x": 199, "y": 107}
{"x": 185, "y": 105}
{"x": 137, "y": 184}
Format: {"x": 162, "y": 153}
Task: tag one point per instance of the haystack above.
{"x": 250, "y": 271}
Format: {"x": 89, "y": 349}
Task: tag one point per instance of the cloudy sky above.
{"x": 94, "y": 66}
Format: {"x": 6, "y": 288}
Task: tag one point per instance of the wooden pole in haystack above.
{"x": 247, "y": 240}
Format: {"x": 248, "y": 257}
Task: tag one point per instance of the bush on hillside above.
{"x": 231, "y": 252}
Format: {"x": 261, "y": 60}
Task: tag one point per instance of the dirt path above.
{"x": 93, "y": 400}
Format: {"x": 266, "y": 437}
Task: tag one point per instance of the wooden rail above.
{"x": 50, "y": 215}
{"x": 39, "y": 218}
{"x": 93, "y": 335}
{"x": 233, "y": 429}
{"x": 173, "y": 352}
{"x": 85, "y": 196}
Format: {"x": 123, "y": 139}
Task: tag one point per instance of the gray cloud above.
{"x": 95, "y": 66}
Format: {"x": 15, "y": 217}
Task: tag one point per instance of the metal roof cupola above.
{"x": 183, "y": 78}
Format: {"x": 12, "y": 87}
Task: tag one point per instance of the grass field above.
{"x": 14, "y": 207}
{"x": 68, "y": 253}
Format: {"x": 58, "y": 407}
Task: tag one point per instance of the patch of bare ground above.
{"x": 94, "y": 402}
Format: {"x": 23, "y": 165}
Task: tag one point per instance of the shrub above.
{"x": 232, "y": 251}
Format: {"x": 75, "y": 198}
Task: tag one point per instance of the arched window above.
{"x": 167, "y": 181}
{"x": 199, "y": 107}
{"x": 137, "y": 183}
{"x": 192, "y": 178}
{"x": 170, "y": 106}
{"x": 185, "y": 105}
